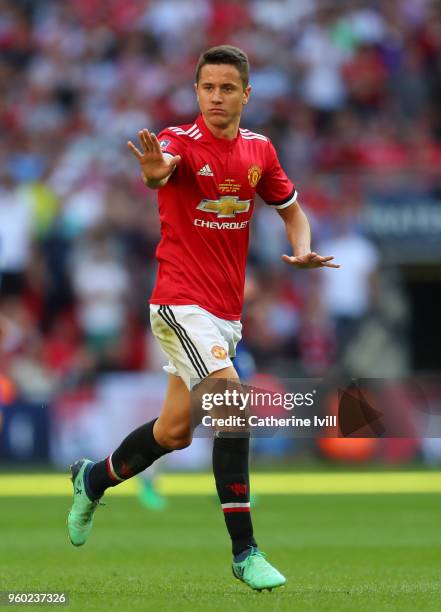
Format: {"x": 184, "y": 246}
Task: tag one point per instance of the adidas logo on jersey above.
{"x": 205, "y": 171}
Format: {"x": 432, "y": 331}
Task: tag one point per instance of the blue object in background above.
{"x": 24, "y": 432}
{"x": 244, "y": 362}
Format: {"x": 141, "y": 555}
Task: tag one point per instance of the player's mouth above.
{"x": 217, "y": 111}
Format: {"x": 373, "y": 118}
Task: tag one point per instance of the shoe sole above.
{"x": 68, "y": 534}
{"x": 269, "y": 589}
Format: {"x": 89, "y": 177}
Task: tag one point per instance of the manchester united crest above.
{"x": 219, "y": 352}
{"x": 254, "y": 175}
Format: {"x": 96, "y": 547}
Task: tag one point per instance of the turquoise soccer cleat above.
{"x": 257, "y": 573}
{"x": 150, "y": 498}
{"x": 80, "y": 517}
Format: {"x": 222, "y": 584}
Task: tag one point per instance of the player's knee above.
{"x": 174, "y": 440}
{"x": 177, "y": 443}
{"x": 182, "y": 443}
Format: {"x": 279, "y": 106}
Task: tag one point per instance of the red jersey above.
{"x": 205, "y": 211}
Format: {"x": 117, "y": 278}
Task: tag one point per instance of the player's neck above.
{"x": 228, "y": 132}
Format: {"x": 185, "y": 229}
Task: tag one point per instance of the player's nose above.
{"x": 217, "y": 97}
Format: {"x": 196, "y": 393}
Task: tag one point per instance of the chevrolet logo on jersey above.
{"x": 225, "y": 206}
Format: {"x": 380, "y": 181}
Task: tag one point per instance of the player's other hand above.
{"x": 310, "y": 260}
{"x": 154, "y": 165}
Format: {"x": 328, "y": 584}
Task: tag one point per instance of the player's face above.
{"x": 221, "y": 95}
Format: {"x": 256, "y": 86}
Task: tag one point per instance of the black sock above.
{"x": 133, "y": 455}
{"x": 230, "y": 468}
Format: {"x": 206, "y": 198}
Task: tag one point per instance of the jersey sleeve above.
{"x": 274, "y": 187}
{"x": 170, "y": 143}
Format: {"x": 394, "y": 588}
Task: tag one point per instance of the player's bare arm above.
{"x": 156, "y": 168}
{"x": 299, "y": 235}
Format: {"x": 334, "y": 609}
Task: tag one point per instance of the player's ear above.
{"x": 246, "y": 94}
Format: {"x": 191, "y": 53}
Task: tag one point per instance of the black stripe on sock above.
{"x": 190, "y": 342}
{"x": 162, "y": 313}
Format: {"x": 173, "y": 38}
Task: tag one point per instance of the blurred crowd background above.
{"x": 350, "y": 93}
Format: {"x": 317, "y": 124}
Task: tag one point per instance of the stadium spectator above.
{"x": 348, "y": 298}
{"x": 341, "y": 88}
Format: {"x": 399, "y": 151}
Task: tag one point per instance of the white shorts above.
{"x": 195, "y": 341}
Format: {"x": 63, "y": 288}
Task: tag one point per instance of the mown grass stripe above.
{"x": 25, "y": 485}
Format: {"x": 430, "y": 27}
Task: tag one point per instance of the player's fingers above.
{"x": 149, "y": 137}
{"x": 136, "y": 152}
{"x": 325, "y": 258}
{"x": 330, "y": 265}
{"x": 155, "y": 143}
{"x": 309, "y": 257}
{"x": 144, "y": 139}
{"x": 305, "y": 259}
{"x": 294, "y": 261}
{"x": 149, "y": 141}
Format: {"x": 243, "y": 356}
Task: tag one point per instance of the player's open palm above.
{"x": 310, "y": 260}
{"x": 154, "y": 165}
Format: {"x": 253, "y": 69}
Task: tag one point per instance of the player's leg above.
{"x": 148, "y": 494}
{"x": 170, "y": 431}
{"x": 172, "y": 428}
{"x": 231, "y": 473}
{"x": 135, "y": 453}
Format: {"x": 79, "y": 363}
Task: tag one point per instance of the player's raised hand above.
{"x": 154, "y": 165}
{"x": 310, "y": 260}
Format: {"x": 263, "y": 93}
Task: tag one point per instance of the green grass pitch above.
{"x": 339, "y": 552}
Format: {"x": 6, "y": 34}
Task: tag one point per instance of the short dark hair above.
{"x": 226, "y": 54}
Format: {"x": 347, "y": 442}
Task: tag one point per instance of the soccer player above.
{"x": 207, "y": 174}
